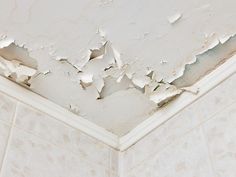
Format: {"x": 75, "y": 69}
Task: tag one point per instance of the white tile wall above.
{"x": 184, "y": 158}
{"x": 31, "y": 156}
{"x": 62, "y": 135}
{"x": 4, "y": 134}
{"x": 221, "y": 139}
{"x": 143, "y": 158}
{"x": 41, "y": 146}
{"x": 198, "y": 141}
{"x": 7, "y": 108}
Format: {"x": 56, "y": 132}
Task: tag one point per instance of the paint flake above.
{"x": 140, "y": 81}
{"x": 174, "y": 18}
{"x": 16, "y": 71}
{"x": 164, "y": 93}
{"x": 109, "y": 64}
{"x": 6, "y": 42}
{"x": 15, "y": 62}
{"x": 220, "y": 51}
{"x": 163, "y": 62}
{"x": 97, "y": 53}
{"x": 46, "y": 72}
{"x": 191, "y": 89}
{"x": 86, "y": 78}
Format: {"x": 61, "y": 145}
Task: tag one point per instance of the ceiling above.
{"x": 114, "y": 62}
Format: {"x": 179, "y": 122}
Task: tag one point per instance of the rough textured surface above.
{"x": 35, "y": 144}
{"x": 198, "y": 141}
{"x": 93, "y": 56}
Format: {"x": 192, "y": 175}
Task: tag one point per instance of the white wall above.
{"x": 33, "y": 144}
{"x": 200, "y": 141}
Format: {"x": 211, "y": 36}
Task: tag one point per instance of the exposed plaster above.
{"x": 97, "y": 53}
{"x": 164, "y": 93}
{"x": 84, "y": 60}
{"x": 105, "y": 71}
{"x": 218, "y": 52}
{"x": 16, "y": 71}
{"x": 15, "y": 63}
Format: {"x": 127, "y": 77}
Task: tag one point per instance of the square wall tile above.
{"x": 7, "y": 108}
{"x": 62, "y": 135}
{"x": 4, "y": 135}
{"x": 181, "y": 123}
{"x": 31, "y": 156}
{"x": 188, "y": 157}
{"x": 220, "y": 133}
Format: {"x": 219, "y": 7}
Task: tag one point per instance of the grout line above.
{"x": 119, "y": 143}
{"x": 110, "y": 163}
{"x": 8, "y": 141}
{"x": 120, "y": 164}
{"x": 65, "y": 149}
{"x": 208, "y": 150}
{"x": 224, "y": 72}
{"x": 198, "y": 125}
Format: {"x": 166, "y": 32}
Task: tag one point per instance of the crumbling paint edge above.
{"x": 44, "y": 105}
{"x": 119, "y": 143}
{"x": 206, "y": 84}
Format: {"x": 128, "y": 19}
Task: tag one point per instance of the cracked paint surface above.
{"x": 114, "y": 62}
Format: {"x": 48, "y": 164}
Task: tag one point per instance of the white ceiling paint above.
{"x": 59, "y": 37}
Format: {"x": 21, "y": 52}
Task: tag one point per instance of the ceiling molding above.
{"x": 206, "y": 84}
{"x": 42, "y": 104}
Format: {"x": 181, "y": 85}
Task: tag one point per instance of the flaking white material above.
{"x": 84, "y": 44}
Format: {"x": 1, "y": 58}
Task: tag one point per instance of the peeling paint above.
{"x": 100, "y": 60}
{"x": 106, "y": 72}
{"x": 163, "y": 61}
{"x": 106, "y": 62}
{"x": 191, "y": 89}
{"x": 46, "y": 72}
{"x": 85, "y": 80}
{"x": 97, "y": 53}
{"x": 207, "y": 61}
{"x": 164, "y": 93}
{"x": 117, "y": 62}
{"x": 174, "y": 18}
{"x": 5, "y": 42}
{"x": 15, "y": 63}
{"x": 111, "y": 86}
{"x": 16, "y": 71}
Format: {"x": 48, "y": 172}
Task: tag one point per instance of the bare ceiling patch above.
{"x": 15, "y": 62}
{"x": 114, "y": 62}
{"x": 106, "y": 74}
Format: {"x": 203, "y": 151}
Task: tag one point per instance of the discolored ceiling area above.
{"x": 114, "y": 62}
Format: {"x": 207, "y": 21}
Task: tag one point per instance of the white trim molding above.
{"x": 207, "y": 83}
{"x": 42, "y": 104}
